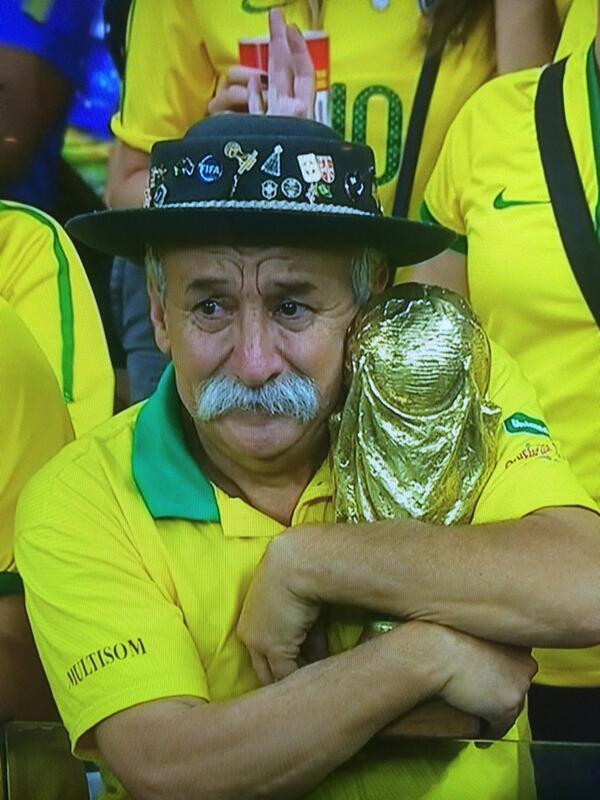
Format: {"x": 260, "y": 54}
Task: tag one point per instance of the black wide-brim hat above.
{"x": 241, "y": 179}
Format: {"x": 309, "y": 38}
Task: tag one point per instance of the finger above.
{"x": 261, "y": 667}
{"x": 234, "y": 98}
{"x": 282, "y": 667}
{"x": 497, "y": 727}
{"x": 280, "y": 61}
{"x": 303, "y": 71}
{"x": 256, "y": 103}
{"x": 241, "y": 75}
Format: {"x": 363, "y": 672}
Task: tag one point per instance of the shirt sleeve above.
{"x": 442, "y": 200}
{"x": 34, "y": 424}
{"x": 43, "y": 279}
{"x": 109, "y": 630}
{"x": 168, "y": 79}
{"x": 530, "y": 472}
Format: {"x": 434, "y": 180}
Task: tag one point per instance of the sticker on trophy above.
{"x": 185, "y": 166}
{"x": 291, "y": 188}
{"x": 156, "y": 175}
{"x": 354, "y": 186}
{"x": 159, "y": 196}
{"x": 245, "y": 160}
{"x": 309, "y": 167}
{"x": 209, "y": 169}
{"x": 268, "y": 189}
{"x": 327, "y": 168}
{"x": 272, "y": 166}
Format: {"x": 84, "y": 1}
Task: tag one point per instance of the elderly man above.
{"x": 176, "y": 558}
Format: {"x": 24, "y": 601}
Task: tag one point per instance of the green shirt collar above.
{"x": 168, "y": 478}
{"x": 593, "y": 85}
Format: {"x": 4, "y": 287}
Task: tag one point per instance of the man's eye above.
{"x": 208, "y": 307}
{"x": 291, "y": 309}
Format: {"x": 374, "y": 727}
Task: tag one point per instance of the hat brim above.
{"x": 127, "y": 232}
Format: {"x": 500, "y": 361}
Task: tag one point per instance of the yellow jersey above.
{"x": 42, "y": 278}
{"x": 520, "y": 282}
{"x": 136, "y": 567}
{"x": 34, "y": 423}
{"x": 376, "y": 58}
{"x": 579, "y": 27}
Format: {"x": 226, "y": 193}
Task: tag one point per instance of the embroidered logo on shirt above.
{"x": 103, "y": 657}
{"x": 546, "y": 450}
{"x": 500, "y": 202}
{"x": 521, "y": 423}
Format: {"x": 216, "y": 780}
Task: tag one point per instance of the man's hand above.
{"x": 275, "y": 620}
{"x": 289, "y": 88}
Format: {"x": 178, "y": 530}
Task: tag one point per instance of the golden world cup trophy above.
{"x": 416, "y": 437}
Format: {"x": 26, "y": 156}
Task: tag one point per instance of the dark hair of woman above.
{"x": 452, "y": 21}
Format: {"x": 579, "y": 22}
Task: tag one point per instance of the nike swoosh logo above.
{"x": 258, "y": 7}
{"x": 500, "y": 202}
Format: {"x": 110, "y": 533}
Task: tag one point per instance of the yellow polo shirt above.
{"x": 520, "y": 282}
{"x": 42, "y": 278}
{"x": 579, "y": 27}
{"x": 34, "y": 423}
{"x": 136, "y": 568}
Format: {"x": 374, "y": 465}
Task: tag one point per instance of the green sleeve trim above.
{"x": 459, "y": 245}
{"x": 65, "y": 299}
{"x": 10, "y": 583}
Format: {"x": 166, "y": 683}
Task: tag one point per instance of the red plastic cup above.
{"x": 255, "y": 53}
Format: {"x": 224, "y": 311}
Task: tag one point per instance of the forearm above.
{"x": 527, "y": 32}
{"x": 127, "y": 177}
{"x": 530, "y": 582}
{"x": 282, "y": 740}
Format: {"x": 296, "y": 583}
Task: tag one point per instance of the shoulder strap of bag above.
{"x": 567, "y": 194}
{"x": 414, "y": 134}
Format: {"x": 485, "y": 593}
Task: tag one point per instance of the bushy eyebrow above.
{"x": 294, "y": 286}
{"x": 206, "y": 285}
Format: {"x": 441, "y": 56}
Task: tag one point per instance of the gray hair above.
{"x": 366, "y": 268}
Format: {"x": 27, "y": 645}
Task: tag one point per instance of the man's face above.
{"x": 256, "y": 315}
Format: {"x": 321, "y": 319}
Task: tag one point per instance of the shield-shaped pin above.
{"x": 309, "y": 167}
{"x": 327, "y": 168}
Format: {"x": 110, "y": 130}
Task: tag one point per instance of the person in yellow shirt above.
{"x": 175, "y": 559}
{"x": 34, "y": 426}
{"x": 514, "y": 264}
{"x": 42, "y": 278}
{"x": 180, "y": 53}
{"x": 579, "y": 27}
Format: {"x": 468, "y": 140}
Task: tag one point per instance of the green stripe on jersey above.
{"x": 65, "y": 299}
{"x": 459, "y": 245}
{"x": 593, "y": 85}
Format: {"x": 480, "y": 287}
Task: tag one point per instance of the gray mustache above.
{"x": 287, "y": 395}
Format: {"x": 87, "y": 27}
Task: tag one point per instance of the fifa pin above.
{"x": 209, "y": 169}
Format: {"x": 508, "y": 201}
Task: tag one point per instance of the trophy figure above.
{"x": 416, "y": 437}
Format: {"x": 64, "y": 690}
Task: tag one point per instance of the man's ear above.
{"x": 158, "y": 319}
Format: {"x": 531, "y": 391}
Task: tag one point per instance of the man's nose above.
{"x": 256, "y": 357}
